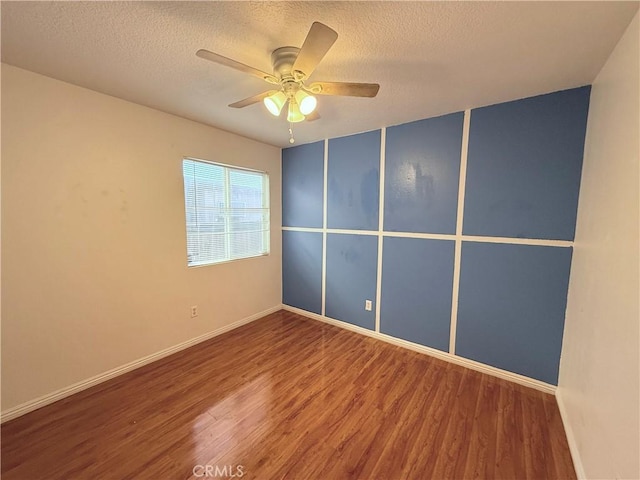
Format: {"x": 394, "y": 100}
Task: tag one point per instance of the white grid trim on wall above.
{"x": 458, "y": 238}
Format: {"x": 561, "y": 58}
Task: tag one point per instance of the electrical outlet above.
{"x": 367, "y": 305}
{"x": 194, "y": 311}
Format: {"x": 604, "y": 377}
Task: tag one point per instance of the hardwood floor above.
{"x": 289, "y": 397}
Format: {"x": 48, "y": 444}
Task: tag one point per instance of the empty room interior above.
{"x": 320, "y": 240}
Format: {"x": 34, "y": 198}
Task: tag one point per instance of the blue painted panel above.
{"x": 524, "y": 166}
{"x": 417, "y": 285}
{"x": 511, "y": 307}
{"x": 352, "y": 264}
{"x": 422, "y": 173}
{"x": 302, "y": 270}
{"x": 303, "y": 185}
{"x": 354, "y": 182}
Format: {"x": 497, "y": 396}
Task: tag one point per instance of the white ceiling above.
{"x": 430, "y": 58}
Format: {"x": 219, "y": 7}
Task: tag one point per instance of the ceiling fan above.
{"x": 292, "y": 67}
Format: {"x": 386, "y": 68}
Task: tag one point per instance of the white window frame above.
{"x": 266, "y": 222}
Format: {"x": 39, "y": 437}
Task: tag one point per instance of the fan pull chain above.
{"x": 291, "y": 139}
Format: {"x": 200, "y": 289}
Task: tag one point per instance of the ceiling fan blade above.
{"x": 318, "y": 42}
{"x": 345, "y": 88}
{"x": 227, "y": 62}
{"x": 313, "y": 116}
{"x": 251, "y": 100}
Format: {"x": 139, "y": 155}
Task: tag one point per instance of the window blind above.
{"x": 227, "y": 212}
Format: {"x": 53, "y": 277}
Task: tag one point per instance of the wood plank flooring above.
{"x": 290, "y": 397}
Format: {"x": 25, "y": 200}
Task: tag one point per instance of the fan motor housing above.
{"x": 282, "y": 60}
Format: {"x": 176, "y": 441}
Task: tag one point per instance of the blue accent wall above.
{"x": 417, "y": 280}
{"x": 511, "y": 307}
{"x": 352, "y": 263}
{"x": 354, "y": 182}
{"x": 524, "y": 165}
{"x": 422, "y": 173}
{"x": 302, "y": 270}
{"x": 303, "y": 185}
{"x": 524, "y": 162}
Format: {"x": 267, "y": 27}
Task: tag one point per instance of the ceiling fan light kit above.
{"x": 275, "y": 102}
{"x": 306, "y": 102}
{"x": 292, "y": 66}
{"x": 294, "y": 115}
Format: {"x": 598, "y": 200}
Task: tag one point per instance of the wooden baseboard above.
{"x": 480, "y": 367}
{"x": 571, "y": 439}
{"x": 49, "y": 398}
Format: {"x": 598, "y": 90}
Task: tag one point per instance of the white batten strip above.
{"x": 325, "y": 184}
{"x": 302, "y": 229}
{"x": 519, "y": 241}
{"x": 459, "y": 219}
{"x": 383, "y": 143}
{"x": 324, "y": 225}
{"x": 427, "y": 236}
{"x": 443, "y": 236}
{"x": 352, "y": 232}
{"x": 464, "y": 362}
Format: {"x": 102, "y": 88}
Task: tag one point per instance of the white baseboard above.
{"x": 49, "y": 398}
{"x": 571, "y": 439}
{"x": 480, "y": 367}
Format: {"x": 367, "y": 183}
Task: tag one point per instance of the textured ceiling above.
{"x": 430, "y": 58}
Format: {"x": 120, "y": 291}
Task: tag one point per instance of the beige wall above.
{"x": 599, "y": 373}
{"x": 94, "y": 268}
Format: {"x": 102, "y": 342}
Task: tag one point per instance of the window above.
{"x": 227, "y": 212}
